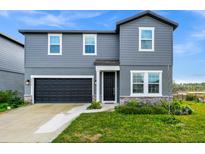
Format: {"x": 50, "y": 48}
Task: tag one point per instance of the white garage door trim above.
{"x": 59, "y": 76}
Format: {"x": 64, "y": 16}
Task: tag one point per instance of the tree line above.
{"x": 188, "y": 87}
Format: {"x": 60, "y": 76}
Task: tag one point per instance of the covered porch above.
{"x": 107, "y": 81}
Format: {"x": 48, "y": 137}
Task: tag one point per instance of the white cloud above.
{"x": 46, "y": 18}
{"x": 75, "y": 15}
{"x": 189, "y": 80}
{"x": 187, "y": 48}
{"x": 4, "y": 13}
{"x": 61, "y": 19}
{"x": 196, "y": 79}
{"x": 200, "y": 12}
{"x": 199, "y": 34}
{"x": 193, "y": 43}
{"x": 199, "y": 29}
{"x": 110, "y": 21}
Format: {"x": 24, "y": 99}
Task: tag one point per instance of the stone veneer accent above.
{"x": 123, "y": 100}
{"x": 28, "y": 98}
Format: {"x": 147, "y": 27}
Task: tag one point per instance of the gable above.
{"x": 148, "y": 14}
{"x": 129, "y": 43}
{"x": 146, "y": 21}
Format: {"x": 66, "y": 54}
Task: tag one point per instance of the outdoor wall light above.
{"x": 27, "y": 82}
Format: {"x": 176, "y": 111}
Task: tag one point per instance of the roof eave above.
{"x": 12, "y": 40}
{"x": 24, "y": 31}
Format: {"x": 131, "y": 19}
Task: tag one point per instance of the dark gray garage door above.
{"x": 61, "y": 90}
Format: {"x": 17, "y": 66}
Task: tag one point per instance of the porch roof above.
{"x": 107, "y": 62}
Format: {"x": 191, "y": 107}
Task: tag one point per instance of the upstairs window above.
{"x": 146, "y": 38}
{"x": 89, "y": 44}
{"x": 55, "y": 44}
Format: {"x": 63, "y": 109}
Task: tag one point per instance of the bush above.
{"x": 176, "y": 108}
{"x": 134, "y": 107}
{"x": 9, "y": 98}
{"x": 186, "y": 110}
{"x": 158, "y": 109}
{"x": 163, "y": 107}
{"x": 94, "y": 105}
{"x": 190, "y": 97}
{"x": 3, "y": 107}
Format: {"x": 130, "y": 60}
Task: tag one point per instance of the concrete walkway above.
{"x": 41, "y": 122}
{"x": 62, "y": 120}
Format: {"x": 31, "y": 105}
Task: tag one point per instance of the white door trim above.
{"x": 59, "y": 76}
{"x": 107, "y": 68}
{"x": 102, "y": 88}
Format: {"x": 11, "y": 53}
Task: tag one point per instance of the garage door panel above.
{"x": 60, "y": 90}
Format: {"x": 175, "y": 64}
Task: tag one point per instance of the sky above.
{"x": 189, "y": 37}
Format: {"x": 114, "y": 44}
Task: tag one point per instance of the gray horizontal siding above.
{"x": 11, "y": 56}
{"x": 72, "y": 50}
{"x": 125, "y": 78}
{"x": 12, "y": 81}
{"x": 129, "y": 41}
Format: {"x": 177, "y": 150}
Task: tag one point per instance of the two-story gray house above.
{"x": 11, "y": 64}
{"x": 134, "y": 61}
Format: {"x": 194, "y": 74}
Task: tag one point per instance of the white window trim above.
{"x": 60, "y": 35}
{"x": 33, "y": 77}
{"x": 145, "y": 83}
{"x": 138, "y": 83}
{"x": 153, "y": 32}
{"x": 90, "y": 54}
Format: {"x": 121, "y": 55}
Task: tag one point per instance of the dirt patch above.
{"x": 89, "y": 138}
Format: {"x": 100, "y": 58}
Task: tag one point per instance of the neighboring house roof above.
{"x": 126, "y": 20}
{"x": 106, "y": 62}
{"x": 11, "y": 39}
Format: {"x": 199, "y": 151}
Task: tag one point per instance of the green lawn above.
{"x": 115, "y": 127}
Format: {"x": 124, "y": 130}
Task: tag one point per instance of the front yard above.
{"x": 116, "y": 127}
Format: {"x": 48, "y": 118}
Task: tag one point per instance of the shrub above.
{"x": 190, "y": 97}
{"x": 134, "y": 107}
{"x": 176, "y": 107}
{"x": 163, "y": 107}
{"x": 158, "y": 109}
{"x": 11, "y": 98}
{"x": 186, "y": 110}
{"x": 3, "y": 107}
{"x": 94, "y": 105}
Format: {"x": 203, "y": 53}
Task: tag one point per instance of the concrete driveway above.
{"x": 35, "y": 123}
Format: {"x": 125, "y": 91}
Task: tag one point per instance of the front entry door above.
{"x": 109, "y": 87}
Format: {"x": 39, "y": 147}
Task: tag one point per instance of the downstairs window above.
{"x": 146, "y": 83}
